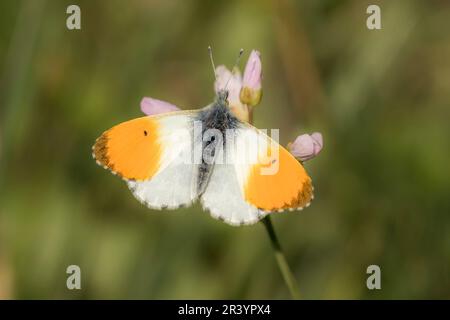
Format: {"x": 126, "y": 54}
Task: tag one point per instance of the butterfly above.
{"x": 237, "y": 172}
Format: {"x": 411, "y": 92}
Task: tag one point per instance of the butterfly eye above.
{"x": 145, "y": 132}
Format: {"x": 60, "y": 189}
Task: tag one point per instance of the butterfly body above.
{"x": 217, "y": 116}
{"x": 236, "y": 171}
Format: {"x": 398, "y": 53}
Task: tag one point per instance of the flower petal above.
{"x": 232, "y": 82}
{"x": 151, "y": 106}
{"x": 318, "y": 142}
{"x": 251, "y": 91}
{"x": 253, "y": 71}
{"x": 306, "y": 147}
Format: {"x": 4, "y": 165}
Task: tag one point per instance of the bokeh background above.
{"x": 381, "y": 99}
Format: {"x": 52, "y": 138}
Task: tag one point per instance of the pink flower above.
{"x": 242, "y": 93}
{"x": 253, "y": 71}
{"x": 232, "y": 82}
{"x": 306, "y": 146}
{"x": 151, "y": 106}
{"x": 251, "y": 85}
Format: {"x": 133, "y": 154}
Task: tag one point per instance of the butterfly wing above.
{"x": 153, "y": 154}
{"x": 257, "y": 176}
{"x": 224, "y": 198}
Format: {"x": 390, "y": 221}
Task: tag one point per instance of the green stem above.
{"x": 281, "y": 260}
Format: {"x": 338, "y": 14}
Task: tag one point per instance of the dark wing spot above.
{"x": 145, "y": 132}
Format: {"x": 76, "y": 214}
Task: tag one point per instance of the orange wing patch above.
{"x": 130, "y": 149}
{"x": 288, "y": 188}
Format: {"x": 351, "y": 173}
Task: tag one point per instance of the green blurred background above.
{"x": 382, "y": 182}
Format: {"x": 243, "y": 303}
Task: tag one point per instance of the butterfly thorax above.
{"x": 218, "y": 115}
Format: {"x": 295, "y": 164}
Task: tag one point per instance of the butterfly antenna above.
{"x": 235, "y": 66}
{"x": 212, "y": 61}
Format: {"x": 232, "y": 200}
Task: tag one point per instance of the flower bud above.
{"x": 251, "y": 91}
{"x": 306, "y": 147}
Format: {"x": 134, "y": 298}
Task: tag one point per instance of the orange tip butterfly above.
{"x": 237, "y": 172}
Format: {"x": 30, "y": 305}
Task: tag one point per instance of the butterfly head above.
{"x": 222, "y": 96}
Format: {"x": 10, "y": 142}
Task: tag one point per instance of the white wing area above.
{"x": 224, "y": 195}
{"x": 174, "y": 184}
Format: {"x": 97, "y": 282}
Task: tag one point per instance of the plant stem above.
{"x": 281, "y": 260}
